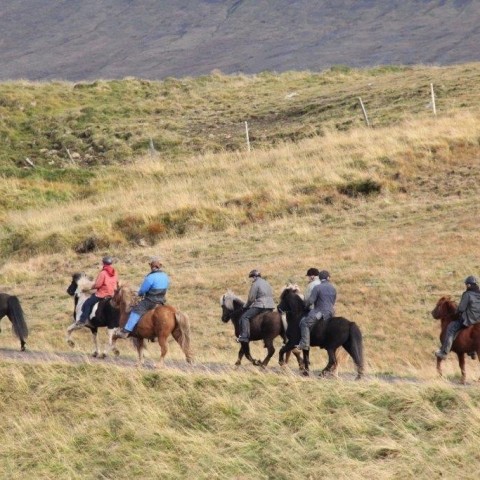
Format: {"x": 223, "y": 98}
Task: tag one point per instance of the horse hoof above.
{"x": 71, "y": 343}
{"x": 103, "y": 355}
{"x": 237, "y": 363}
{"x": 282, "y": 363}
{"x": 257, "y": 363}
{"x": 305, "y": 373}
{"x": 94, "y": 354}
{"x": 23, "y": 348}
{"x": 116, "y": 352}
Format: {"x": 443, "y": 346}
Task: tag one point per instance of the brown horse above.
{"x": 467, "y": 341}
{"x": 158, "y": 323}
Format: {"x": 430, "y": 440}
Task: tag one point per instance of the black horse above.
{"x": 266, "y": 326}
{"x": 104, "y": 314}
{"x": 10, "y": 306}
{"x": 338, "y": 332}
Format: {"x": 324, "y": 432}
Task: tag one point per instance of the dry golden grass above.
{"x": 391, "y": 255}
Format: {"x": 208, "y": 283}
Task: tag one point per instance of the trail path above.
{"x": 31, "y": 356}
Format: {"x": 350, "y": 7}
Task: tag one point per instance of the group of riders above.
{"x": 320, "y": 297}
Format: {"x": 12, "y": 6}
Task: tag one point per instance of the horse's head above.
{"x": 229, "y": 303}
{"x": 80, "y": 282}
{"x": 290, "y": 298}
{"x": 444, "y": 309}
{"x": 122, "y": 297}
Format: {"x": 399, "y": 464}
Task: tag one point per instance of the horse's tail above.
{"x": 17, "y": 318}
{"x": 181, "y": 333}
{"x": 354, "y": 347}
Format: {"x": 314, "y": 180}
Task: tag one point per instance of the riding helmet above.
{"x": 254, "y": 273}
{"x": 107, "y": 260}
{"x": 313, "y": 272}
{"x": 471, "y": 280}
{"x": 323, "y": 275}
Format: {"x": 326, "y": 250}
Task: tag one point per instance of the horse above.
{"x": 103, "y": 314}
{"x": 10, "y": 306}
{"x": 158, "y": 323}
{"x": 265, "y": 326}
{"x": 468, "y": 339}
{"x": 337, "y": 332}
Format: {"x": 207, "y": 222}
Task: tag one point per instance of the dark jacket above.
{"x": 323, "y": 298}
{"x": 469, "y": 307}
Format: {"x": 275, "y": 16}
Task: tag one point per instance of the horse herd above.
{"x": 166, "y": 320}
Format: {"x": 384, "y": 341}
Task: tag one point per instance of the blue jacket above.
{"x": 154, "y": 286}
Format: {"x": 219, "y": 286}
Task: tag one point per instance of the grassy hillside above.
{"x": 389, "y": 211}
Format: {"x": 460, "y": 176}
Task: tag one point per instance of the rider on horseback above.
{"x": 322, "y": 297}
{"x": 468, "y": 313}
{"x": 260, "y": 299}
{"x": 104, "y": 286}
{"x": 313, "y": 281}
{"x": 153, "y": 290}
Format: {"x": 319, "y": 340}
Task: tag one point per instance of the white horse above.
{"x": 80, "y": 289}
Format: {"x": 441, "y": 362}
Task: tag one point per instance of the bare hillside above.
{"x": 60, "y": 39}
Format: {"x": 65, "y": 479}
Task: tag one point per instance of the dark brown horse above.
{"x": 338, "y": 332}
{"x": 159, "y": 323}
{"x": 468, "y": 339}
{"x": 10, "y": 306}
{"x": 266, "y": 326}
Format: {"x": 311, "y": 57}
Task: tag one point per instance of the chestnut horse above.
{"x": 10, "y": 306}
{"x": 468, "y": 339}
{"x": 159, "y": 323}
{"x": 265, "y": 326}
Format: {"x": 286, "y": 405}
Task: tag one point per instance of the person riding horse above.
{"x": 260, "y": 300}
{"x": 322, "y": 298}
{"x": 104, "y": 286}
{"x": 153, "y": 289}
{"x": 468, "y": 313}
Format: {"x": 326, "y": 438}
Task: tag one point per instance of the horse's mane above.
{"x": 229, "y": 299}
{"x": 291, "y": 287}
{"x": 125, "y": 294}
{"x": 84, "y": 283}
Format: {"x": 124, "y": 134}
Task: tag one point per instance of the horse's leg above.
{"x": 95, "y": 342}
{"x": 461, "y": 363}
{"x": 70, "y": 330}
{"x": 306, "y": 362}
{"x": 332, "y": 363}
{"x": 162, "y": 341}
{"x": 112, "y": 347}
{"x": 246, "y": 351}
{"x": 240, "y": 356}
{"x": 270, "y": 351}
{"x": 139, "y": 345}
{"x": 439, "y": 367}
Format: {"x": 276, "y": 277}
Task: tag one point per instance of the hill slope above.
{"x": 117, "y": 38}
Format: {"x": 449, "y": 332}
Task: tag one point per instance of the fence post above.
{"x": 248, "y": 138}
{"x": 433, "y": 100}
{"x": 364, "y": 111}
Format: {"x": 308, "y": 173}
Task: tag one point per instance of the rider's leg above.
{"x": 453, "y": 330}
{"x": 306, "y": 324}
{"x": 87, "y": 308}
{"x": 132, "y": 321}
{"x": 245, "y": 324}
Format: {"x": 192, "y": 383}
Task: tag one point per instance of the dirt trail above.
{"x": 31, "y": 356}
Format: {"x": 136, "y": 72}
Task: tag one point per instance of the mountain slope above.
{"x": 149, "y": 39}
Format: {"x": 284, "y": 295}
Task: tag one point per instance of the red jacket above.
{"x": 106, "y": 282}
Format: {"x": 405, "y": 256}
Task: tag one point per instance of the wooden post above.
{"x": 70, "y": 156}
{"x": 152, "y": 147}
{"x": 246, "y": 134}
{"x": 433, "y": 100}
{"x": 364, "y": 111}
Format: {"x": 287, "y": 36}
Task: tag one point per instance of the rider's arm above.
{"x": 146, "y": 285}
{"x": 100, "y": 281}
